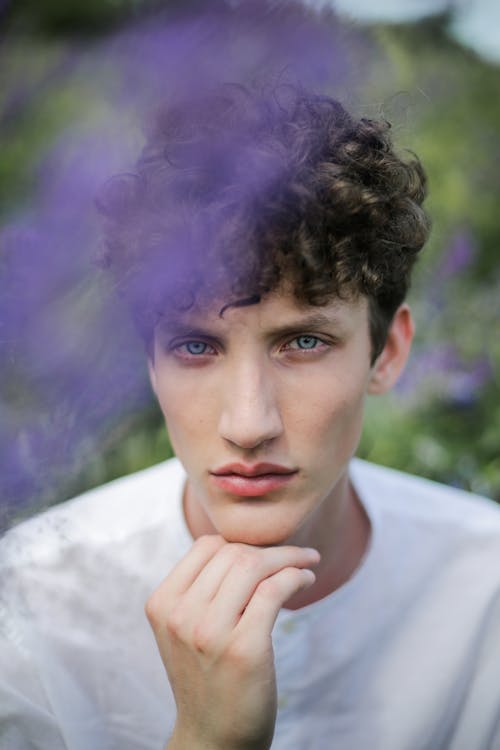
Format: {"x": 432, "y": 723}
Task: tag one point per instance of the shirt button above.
{"x": 282, "y": 701}
{"x": 288, "y": 626}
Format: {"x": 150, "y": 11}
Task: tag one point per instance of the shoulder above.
{"x": 102, "y": 516}
{"x": 432, "y": 530}
{"x": 436, "y": 548}
{"x": 423, "y": 500}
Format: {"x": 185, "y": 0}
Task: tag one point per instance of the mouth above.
{"x": 252, "y": 481}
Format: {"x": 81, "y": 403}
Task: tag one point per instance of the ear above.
{"x": 392, "y": 359}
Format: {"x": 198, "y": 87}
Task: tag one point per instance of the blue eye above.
{"x": 192, "y": 350}
{"x": 306, "y": 342}
{"x": 196, "y": 347}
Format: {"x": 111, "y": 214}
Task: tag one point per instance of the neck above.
{"x": 339, "y": 530}
{"x": 343, "y": 544}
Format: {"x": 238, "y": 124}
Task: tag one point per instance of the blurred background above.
{"x": 77, "y": 82}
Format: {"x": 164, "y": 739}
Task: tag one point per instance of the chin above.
{"x": 255, "y": 539}
{"x": 259, "y": 532}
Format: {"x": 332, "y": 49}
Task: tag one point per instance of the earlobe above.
{"x": 391, "y": 361}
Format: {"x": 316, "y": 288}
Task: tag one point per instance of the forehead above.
{"x": 272, "y": 312}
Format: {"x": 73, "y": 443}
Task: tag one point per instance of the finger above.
{"x": 268, "y": 598}
{"x": 187, "y": 570}
{"x": 237, "y": 571}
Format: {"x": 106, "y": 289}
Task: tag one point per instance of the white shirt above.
{"x": 404, "y": 656}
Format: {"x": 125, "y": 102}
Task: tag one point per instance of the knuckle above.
{"x": 203, "y": 639}
{"x": 175, "y": 623}
{"x": 268, "y": 588}
{"x": 152, "y": 609}
{"x": 171, "y": 621}
{"x": 241, "y": 556}
{"x": 276, "y": 585}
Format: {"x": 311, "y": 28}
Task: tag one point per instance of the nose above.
{"x": 250, "y": 415}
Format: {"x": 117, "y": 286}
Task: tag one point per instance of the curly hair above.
{"x": 244, "y": 192}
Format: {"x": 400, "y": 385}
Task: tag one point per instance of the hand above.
{"x": 212, "y": 618}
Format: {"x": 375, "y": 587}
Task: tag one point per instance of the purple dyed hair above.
{"x": 246, "y": 190}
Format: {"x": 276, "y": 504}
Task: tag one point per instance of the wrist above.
{"x": 183, "y": 739}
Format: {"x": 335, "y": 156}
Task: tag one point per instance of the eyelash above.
{"x": 193, "y": 341}
{"x": 176, "y": 348}
{"x": 306, "y": 336}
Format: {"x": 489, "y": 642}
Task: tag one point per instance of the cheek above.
{"x": 188, "y": 410}
{"x": 331, "y": 415}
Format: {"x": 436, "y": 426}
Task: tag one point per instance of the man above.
{"x": 298, "y": 598}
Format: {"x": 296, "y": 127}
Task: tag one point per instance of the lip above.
{"x": 252, "y": 481}
{"x": 255, "y": 470}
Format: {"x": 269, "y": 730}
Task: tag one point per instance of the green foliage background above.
{"x": 444, "y": 420}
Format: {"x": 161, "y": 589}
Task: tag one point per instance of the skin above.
{"x": 280, "y": 383}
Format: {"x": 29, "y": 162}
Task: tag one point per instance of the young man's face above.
{"x": 264, "y": 408}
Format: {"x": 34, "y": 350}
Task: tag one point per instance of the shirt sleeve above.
{"x": 26, "y": 719}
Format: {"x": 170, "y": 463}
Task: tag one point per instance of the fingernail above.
{"x": 312, "y": 551}
{"x": 310, "y": 579}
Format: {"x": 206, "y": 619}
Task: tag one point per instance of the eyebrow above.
{"x": 313, "y": 322}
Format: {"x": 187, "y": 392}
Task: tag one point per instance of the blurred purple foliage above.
{"x": 458, "y": 256}
{"x": 65, "y": 369}
{"x": 438, "y": 371}
{"x": 70, "y": 366}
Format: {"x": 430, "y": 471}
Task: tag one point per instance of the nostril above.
{"x": 251, "y": 429}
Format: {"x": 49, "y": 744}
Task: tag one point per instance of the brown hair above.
{"x": 242, "y": 191}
